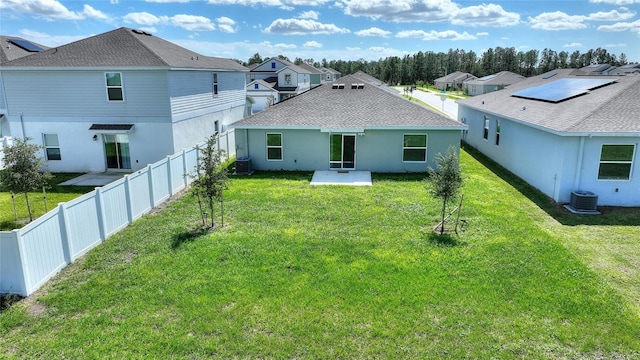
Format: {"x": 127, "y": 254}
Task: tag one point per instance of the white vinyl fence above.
{"x": 30, "y": 256}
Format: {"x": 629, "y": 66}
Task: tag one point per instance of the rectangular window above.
{"x": 615, "y": 162}
{"x": 215, "y": 84}
{"x": 498, "y": 132}
{"x": 414, "y": 148}
{"x": 287, "y": 79}
{"x": 274, "y": 147}
{"x": 115, "y": 90}
{"x": 485, "y": 134}
{"x": 51, "y": 146}
{"x": 256, "y": 86}
{"x": 273, "y": 65}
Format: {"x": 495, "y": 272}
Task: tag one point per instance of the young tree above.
{"x": 23, "y": 170}
{"x": 210, "y": 179}
{"x": 445, "y": 182}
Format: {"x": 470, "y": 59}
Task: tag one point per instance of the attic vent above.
{"x": 334, "y": 86}
{"x": 360, "y": 86}
{"x": 340, "y": 86}
{"x": 140, "y": 32}
{"x": 354, "y": 86}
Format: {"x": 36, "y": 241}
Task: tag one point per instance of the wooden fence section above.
{"x": 30, "y": 256}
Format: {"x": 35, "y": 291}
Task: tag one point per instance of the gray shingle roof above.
{"x": 370, "y": 107}
{"x": 611, "y": 109}
{"x": 10, "y": 51}
{"x": 501, "y": 78}
{"x": 124, "y": 47}
{"x": 457, "y": 76}
{"x": 310, "y": 69}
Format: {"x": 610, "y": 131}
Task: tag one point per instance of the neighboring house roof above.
{"x": 10, "y": 51}
{"x": 310, "y": 69}
{"x": 501, "y": 78}
{"x": 368, "y": 107}
{"x": 609, "y": 110}
{"x": 124, "y": 47}
{"x": 284, "y": 62}
{"x": 329, "y": 70}
{"x": 457, "y": 76}
{"x": 268, "y": 86}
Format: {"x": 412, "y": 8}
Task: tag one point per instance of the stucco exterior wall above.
{"x": 376, "y": 150}
{"x": 554, "y": 164}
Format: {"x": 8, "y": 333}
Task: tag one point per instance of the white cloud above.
{"x": 615, "y": 2}
{"x": 485, "y": 15}
{"x": 302, "y": 27}
{"x": 50, "y": 10}
{"x": 432, "y": 11}
{"x": 49, "y": 40}
{"x": 309, "y": 15}
{"x": 226, "y": 24}
{"x": 557, "y": 20}
{"x": 374, "y": 31}
{"x": 402, "y": 10}
{"x": 622, "y": 26}
{"x": 167, "y": 1}
{"x": 278, "y": 47}
{"x": 613, "y": 15}
{"x": 141, "y": 18}
{"x": 435, "y": 35}
{"x": 192, "y": 22}
{"x": 572, "y": 45}
{"x": 312, "y": 45}
{"x": 278, "y": 3}
{"x": 482, "y": 33}
{"x": 615, "y": 45}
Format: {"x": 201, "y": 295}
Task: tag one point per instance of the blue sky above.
{"x": 338, "y": 29}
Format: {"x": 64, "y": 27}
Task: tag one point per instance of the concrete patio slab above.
{"x": 351, "y": 178}
{"x": 94, "y": 179}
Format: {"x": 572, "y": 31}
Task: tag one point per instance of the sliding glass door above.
{"x": 116, "y": 148}
{"x": 343, "y": 151}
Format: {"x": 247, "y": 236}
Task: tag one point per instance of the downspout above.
{"x": 576, "y": 180}
{"x": 24, "y": 135}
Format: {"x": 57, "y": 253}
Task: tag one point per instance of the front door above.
{"x": 343, "y": 151}
{"x": 116, "y": 149}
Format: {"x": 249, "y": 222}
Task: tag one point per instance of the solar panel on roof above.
{"x": 488, "y": 77}
{"x": 562, "y": 89}
{"x": 26, "y": 45}
{"x": 552, "y": 74}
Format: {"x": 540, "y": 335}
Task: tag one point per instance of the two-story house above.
{"x": 275, "y": 80}
{"x": 119, "y": 100}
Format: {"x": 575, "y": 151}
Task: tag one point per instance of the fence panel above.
{"x": 11, "y": 273}
{"x": 82, "y": 224}
{"x": 42, "y": 250}
{"x": 160, "y": 181}
{"x": 177, "y": 172}
{"x": 30, "y": 256}
{"x": 114, "y": 207}
{"x": 139, "y": 193}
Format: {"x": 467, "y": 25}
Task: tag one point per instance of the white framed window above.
{"x": 498, "y": 123}
{"x": 485, "y": 133}
{"x": 274, "y": 146}
{"x": 51, "y": 147}
{"x": 287, "y": 79}
{"x": 215, "y": 84}
{"x": 115, "y": 88}
{"x": 616, "y": 161}
{"x": 414, "y": 148}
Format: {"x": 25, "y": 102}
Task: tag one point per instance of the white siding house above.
{"x": 119, "y": 100}
{"x": 563, "y": 133}
{"x": 283, "y": 77}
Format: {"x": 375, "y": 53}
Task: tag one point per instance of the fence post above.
{"x": 184, "y": 168}
{"x": 127, "y": 194}
{"x": 64, "y": 233}
{"x": 100, "y": 213}
{"x": 169, "y": 177}
{"x": 152, "y": 197}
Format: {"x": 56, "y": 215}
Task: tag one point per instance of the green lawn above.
{"x": 54, "y": 195}
{"x": 346, "y": 272}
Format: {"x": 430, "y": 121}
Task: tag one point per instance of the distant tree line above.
{"x": 425, "y": 67}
